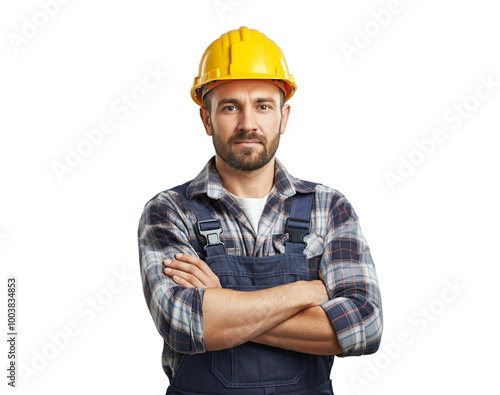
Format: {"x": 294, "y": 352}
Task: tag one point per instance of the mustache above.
{"x": 247, "y": 136}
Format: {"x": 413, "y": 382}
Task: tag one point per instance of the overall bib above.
{"x": 251, "y": 368}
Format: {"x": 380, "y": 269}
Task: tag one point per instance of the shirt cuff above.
{"x": 348, "y": 324}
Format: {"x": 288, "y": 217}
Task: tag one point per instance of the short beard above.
{"x": 247, "y": 160}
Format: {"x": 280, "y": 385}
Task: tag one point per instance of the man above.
{"x": 254, "y": 279}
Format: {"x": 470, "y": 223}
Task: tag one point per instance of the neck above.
{"x": 246, "y": 184}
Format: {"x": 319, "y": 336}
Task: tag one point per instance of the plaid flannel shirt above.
{"x": 336, "y": 248}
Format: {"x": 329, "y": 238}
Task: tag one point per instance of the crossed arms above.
{"x": 287, "y": 316}
{"x": 341, "y": 314}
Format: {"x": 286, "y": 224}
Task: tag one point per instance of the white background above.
{"x": 71, "y": 239}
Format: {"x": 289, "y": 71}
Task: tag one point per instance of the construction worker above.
{"x": 254, "y": 279}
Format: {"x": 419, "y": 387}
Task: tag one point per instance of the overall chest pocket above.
{"x": 251, "y": 273}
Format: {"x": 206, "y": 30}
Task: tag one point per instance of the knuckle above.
{"x": 197, "y": 263}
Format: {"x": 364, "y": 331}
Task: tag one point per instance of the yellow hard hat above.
{"x": 242, "y": 54}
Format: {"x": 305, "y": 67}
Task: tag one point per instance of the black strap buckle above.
{"x": 297, "y": 229}
{"x": 212, "y": 236}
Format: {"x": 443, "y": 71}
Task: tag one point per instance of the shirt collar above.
{"x": 208, "y": 182}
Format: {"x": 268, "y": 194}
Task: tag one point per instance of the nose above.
{"x": 247, "y": 121}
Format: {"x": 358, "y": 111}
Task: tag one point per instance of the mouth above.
{"x": 247, "y": 143}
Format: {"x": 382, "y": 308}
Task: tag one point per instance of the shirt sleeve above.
{"x": 347, "y": 269}
{"x": 176, "y": 311}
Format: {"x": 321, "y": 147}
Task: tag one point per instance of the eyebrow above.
{"x": 230, "y": 100}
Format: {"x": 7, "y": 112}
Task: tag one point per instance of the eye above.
{"x": 229, "y": 108}
{"x": 264, "y": 107}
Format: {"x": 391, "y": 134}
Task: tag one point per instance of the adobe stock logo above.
{"x": 453, "y": 117}
{"x": 419, "y": 321}
{"x": 85, "y": 313}
{"x": 364, "y": 36}
{"x": 122, "y": 107}
{"x": 32, "y": 26}
{"x": 222, "y": 7}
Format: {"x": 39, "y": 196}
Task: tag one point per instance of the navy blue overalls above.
{"x": 251, "y": 368}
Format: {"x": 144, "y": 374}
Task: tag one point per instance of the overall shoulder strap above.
{"x": 298, "y": 224}
{"x": 207, "y": 226}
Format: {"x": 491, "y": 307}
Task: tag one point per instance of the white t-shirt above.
{"x": 253, "y": 209}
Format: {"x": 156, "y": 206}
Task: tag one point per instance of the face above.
{"x": 245, "y": 122}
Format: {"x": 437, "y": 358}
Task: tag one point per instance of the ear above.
{"x": 205, "y": 118}
{"x": 285, "y": 113}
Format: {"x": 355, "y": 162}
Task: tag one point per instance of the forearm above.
{"x": 308, "y": 331}
{"x": 233, "y": 317}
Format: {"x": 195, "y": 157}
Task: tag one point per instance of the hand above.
{"x": 191, "y": 272}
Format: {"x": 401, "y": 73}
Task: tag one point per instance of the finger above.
{"x": 200, "y": 264}
{"x": 182, "y": 278}
{"x": 184, "y": 283}
{"x": 186, "y": 258}
{"x": 187, "y": 271}
{"x": 184, "y": 267}
{"x": 192, "y": 273}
